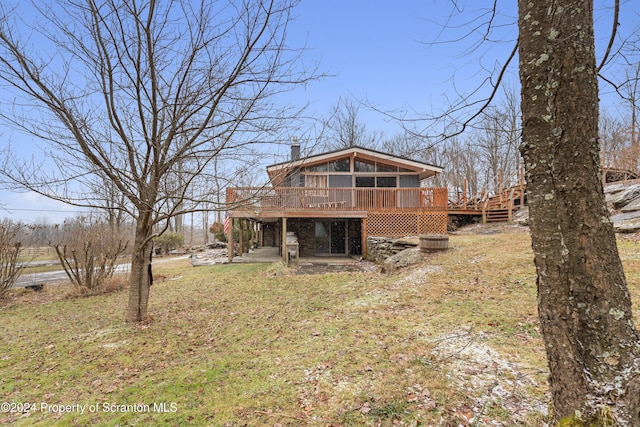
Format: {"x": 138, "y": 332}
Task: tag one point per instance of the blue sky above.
{"x": 379, "y": 51}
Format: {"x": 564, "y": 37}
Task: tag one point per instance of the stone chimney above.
{"x": 295, "y": 149}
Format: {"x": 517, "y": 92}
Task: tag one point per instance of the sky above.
{"x": 398, "y": 56}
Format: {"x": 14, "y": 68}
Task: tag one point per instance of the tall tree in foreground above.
{"x": 584, "y": 305}
{"x": 145, "y": 94}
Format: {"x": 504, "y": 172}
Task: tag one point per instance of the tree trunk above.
{"x": 583, "y": 300}
{"x": 139, "y": 279}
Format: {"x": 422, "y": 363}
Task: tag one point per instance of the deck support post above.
{"x": 283, "y": 244}
{"x": 241, "y": 238}
{"x": 254, "y": 235}
{"x": 230, "y": 240}
{"x": 364, "y": 237}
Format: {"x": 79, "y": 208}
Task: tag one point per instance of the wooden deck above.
{"x": 332, "y": 202}
{"x": 495, "y": 208}
{"x": 501, "y": 206}
{"x": 307, "y": 202}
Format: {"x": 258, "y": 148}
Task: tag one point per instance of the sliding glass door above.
{"x": 331, "y": 237}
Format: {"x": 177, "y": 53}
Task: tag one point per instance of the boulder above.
{"x": 616, "y": 187}
{"x": 210, "y": 257}
{"x": 521, "y": 216}
{"x": 381, "y": 248}
{"x": 632, "y": 206}
{"x": 619, "y": 199}
{"x": 621, "y": 196}
{"x": 402, "y": 259}
{"x": 628, "y": 222}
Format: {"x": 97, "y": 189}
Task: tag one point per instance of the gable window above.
{"x": 340, "y": 165}
{"x": 361, "y": 165}
{"x": 322, "y": 167}
{"x": 381, "y": 167}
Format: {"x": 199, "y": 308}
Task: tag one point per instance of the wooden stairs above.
{"x": 497, "y": 215}
{"x": 500, "y": 207}
{"x": 493, "y": 208}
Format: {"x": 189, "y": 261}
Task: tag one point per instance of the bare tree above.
{"x": 144, "y": 93}
{"x": 593, "y": 347}
{"x": 407, "y": 144}
{"x": 113, "y": 203}
{"x": 462, "y": 173}
{"x": 498, "y": 138}
{"x": 631, "y": 93}
{"x": 614, "y": 142}
{"x": 344, "y": 129}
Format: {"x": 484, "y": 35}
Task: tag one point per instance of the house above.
{"x": 331, "y": 202}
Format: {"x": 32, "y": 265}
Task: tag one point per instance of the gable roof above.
{"x": 424, "y": 170}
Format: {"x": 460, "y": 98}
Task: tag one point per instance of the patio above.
{"x": 272, "y": 254}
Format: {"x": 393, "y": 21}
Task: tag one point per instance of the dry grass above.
{"x": 453, "y": 341}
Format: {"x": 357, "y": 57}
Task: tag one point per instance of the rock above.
{"x": 210, "y": 257}
{"x": 621, "y": 198}
{"x": 401, "y": 259}
{"x": 521, "y": 216}
{"x": 217, "y": 245}
{"x": 634, "y": 205}
{"x": 616, "y": 187}
{"x": 628, "y": 222}
{"x": 381, "y": 248}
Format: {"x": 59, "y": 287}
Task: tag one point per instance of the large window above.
{"x": 317, "y": 181}
{"x": 340, "y": 165}
{"x": 322, "y": 167}
{"x": 365, "y": 181}
{"x": 386, "y": 181}
{"x": 373, "y": 181}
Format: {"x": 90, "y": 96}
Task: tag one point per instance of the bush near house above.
{"x": 168, "y": 242}
{"x": 217, "y": 229}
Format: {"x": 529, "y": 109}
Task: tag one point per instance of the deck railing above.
{"x": 287, "y": 199}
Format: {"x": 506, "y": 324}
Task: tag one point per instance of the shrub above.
{"x": 88, "y": 250}
{"x": 11, "y": 235}
{"x": 168, "y": 241}
{"x": 217, "y": 229}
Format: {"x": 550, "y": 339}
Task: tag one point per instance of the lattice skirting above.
{"x": 402, "y": 224}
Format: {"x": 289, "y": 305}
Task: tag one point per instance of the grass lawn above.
{"x": 452, "y": 341}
